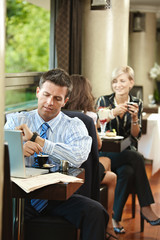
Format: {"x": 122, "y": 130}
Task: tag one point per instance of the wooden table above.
{"x": 148, "y": 109}
{"x": 58, "y": 191}
{"x": 144, "y": 123}
{"x": 111, "y": 145}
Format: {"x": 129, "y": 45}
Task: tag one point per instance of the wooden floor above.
{"x": 132, "y": 226}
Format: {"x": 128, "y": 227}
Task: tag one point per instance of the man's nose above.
{"x": 50, "y": 100}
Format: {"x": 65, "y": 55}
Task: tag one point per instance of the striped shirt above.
{"x": 67, "y": 138}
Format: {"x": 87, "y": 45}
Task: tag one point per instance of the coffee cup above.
{"x": 42, "y": 159}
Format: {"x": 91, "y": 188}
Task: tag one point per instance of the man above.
{"x": 65, "y": 137}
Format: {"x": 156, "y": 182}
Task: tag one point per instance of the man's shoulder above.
{"x": 21, "y": 115}
{"x": 70, "y": 116}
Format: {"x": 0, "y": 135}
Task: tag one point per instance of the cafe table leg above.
{"x": 19, "y": 219}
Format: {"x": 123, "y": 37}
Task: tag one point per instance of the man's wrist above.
{"x": 34, "y": 136}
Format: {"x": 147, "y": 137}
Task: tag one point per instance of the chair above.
{"x": 104, "y": 196}
{"x": 7, "y": 199}
{"x": 45, "y": 227}
{"x": 137, "y": 91}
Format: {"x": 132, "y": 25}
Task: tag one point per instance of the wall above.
{"x": 142, "y": 54}
{"x": 2, "y": 51}
{"x": 104, "y": 43}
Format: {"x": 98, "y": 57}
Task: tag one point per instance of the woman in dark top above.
{"x": 126, "y": 119}
{"x": 81, "y": 98}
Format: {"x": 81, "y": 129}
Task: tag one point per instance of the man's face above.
{"x": 51, "y": 98}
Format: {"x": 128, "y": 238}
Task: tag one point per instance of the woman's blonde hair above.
{"x": 121, "y": 70}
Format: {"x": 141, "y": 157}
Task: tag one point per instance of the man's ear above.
{"x": 37, "y": 91}
{"x": 66, "y": 100}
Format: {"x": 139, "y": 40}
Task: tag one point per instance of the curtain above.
{"x": 68, "y": 36}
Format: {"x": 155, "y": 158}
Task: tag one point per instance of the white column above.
{"x": 2, "y": 54}
{"x": 104, "y": 43}
{"x": 142, "y": 54}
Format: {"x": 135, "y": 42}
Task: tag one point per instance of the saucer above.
{"x": 47, "y": 165}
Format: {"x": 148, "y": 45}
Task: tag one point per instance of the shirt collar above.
{"x": 52, "y": 123}
{"x": 115, "y": 102}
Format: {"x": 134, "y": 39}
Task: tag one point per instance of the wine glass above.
{"x": 103, "y": 124}
{"x": 103, "y": 117}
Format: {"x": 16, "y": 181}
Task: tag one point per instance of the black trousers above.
{"x": 82, "y": 212}
{"x": 129, "y": 166}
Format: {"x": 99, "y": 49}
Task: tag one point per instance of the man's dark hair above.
{"x": 58, "y": 77}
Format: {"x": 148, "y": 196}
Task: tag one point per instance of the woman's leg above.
{"x": 142, "y": 186}
{"x": 124, "y": 178}
{"x": 110, "y": 180}
{"x": 143, "y": 189}
{"x": 136, "y": 161}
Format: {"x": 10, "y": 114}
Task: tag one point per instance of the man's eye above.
{"x": 58, "y": 99}
{"x": 45, "y": 94}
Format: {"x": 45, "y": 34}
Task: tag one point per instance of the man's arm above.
{"x": 75, "y": 147}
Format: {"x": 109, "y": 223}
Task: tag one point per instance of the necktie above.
{"x": 39, "y": 204}
{"x": 43, "y": 132}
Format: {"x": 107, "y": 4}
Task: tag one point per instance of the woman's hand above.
{"x": 27, "y": 134}
{"x": 120, "y": 109}
{"x": 133, "y": 110}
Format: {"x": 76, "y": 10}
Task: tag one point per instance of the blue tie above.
{"x": 45, "y": 127}
{"x": 39, "y": 204}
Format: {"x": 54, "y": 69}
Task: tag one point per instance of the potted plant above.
{"x": 155, "y": 75}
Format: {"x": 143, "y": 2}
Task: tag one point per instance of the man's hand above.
{"x": 27, "y": 134}
{"x": 29, "y": 148}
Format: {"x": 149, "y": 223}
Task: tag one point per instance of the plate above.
{"x": 116, "y": 138}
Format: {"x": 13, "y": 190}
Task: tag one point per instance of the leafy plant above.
{"x": 27, "y": 38}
